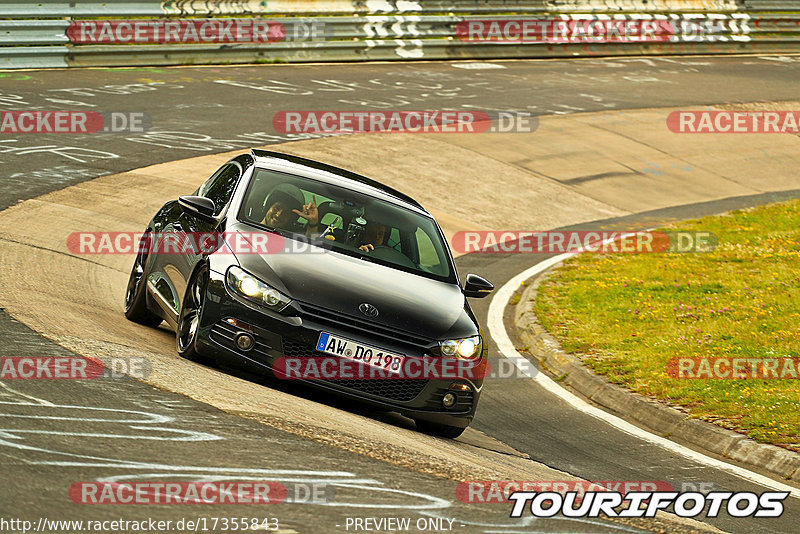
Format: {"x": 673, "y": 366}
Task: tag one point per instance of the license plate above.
{"x": 372, "y": 356}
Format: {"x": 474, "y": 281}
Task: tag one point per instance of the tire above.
{"x": 136, "y": 293}
{"x": 443, "y": 431}
{"x": 189, "y": 318}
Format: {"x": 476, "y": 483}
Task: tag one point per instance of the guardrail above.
{"x": 52, "y": 33}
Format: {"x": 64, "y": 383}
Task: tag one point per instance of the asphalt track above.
{"x": 205, "y": 116}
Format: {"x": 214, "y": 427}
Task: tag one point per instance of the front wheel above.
{"x": 189, "y": 319}
{"x": 443, "y": 431}
{"x": 135, "y": 294}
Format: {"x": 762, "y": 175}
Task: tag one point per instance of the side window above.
{"x": 220, "y": 187}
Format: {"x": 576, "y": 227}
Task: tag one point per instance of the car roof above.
{"x": 331, "y": 174}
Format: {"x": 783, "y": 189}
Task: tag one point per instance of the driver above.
{"x": 374, "y": 232}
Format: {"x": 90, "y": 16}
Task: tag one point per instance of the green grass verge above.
{"x": 626, "y": 315}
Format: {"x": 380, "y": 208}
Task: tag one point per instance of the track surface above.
{"x": 204, "y": 115}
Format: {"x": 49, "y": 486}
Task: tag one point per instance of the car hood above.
{"x": 341, "y": 283}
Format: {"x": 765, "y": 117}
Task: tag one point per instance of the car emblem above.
{"x": 368, "y": 309}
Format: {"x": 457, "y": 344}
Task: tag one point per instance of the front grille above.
{"x": 381, "y": 332}
{"x": 398, "y": 390}
{"x": 296, "y": 349}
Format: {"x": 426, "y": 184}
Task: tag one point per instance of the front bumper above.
{"x": 294, "y": 333}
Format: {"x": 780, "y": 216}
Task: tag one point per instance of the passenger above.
{"x": 284, "y": 201}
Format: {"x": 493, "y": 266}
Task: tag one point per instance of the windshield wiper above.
{"x": 266, "y": 227}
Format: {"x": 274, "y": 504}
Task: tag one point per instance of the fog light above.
{"x": 244, "y": 341}
{"x": 448, "y": 400}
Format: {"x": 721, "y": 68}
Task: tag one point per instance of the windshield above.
{"x": 347, "y": 222}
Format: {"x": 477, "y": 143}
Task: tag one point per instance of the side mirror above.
{"x": 198, "y": 206}
{"x": 477, "y": 287}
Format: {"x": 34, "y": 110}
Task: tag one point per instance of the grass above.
{"x": 626, "y": 315}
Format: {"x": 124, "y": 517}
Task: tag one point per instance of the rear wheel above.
{"x": 135, "y": 294}
{"x": 436, "y": 429}
{"x": 189, "y": 319}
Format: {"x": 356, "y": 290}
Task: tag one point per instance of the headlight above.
{"x": 468, "y": 347}
{"x": 251, "y": 288}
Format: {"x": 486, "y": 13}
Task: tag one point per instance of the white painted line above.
{"x": 39, "y": 401}
{"x": 498, "y": 332}
{"x": 477, "y": 66}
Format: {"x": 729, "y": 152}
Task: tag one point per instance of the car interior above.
{"x": 351, "y": 220}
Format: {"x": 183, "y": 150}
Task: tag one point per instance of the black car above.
{"x": 351, "y": 270}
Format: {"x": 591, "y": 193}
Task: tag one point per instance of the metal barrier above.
{"x": 53, "y": 33}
